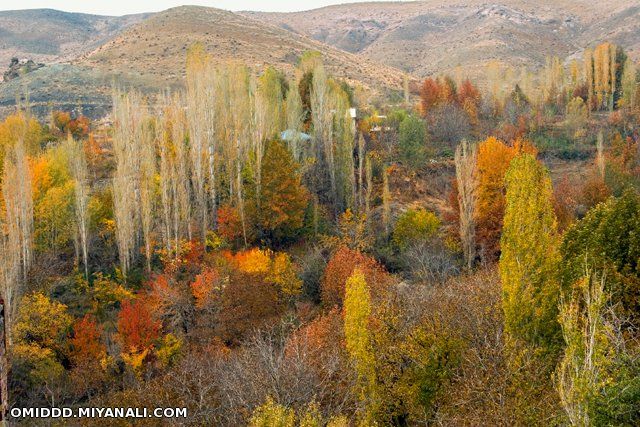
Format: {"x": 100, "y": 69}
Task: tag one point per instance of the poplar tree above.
{"x": 78, "y": 168}
{"x": 466, "y": 178}
{"x": 16, "y": 234}
{"x": 529, "y": 257}
{"x": 357, "y": 311}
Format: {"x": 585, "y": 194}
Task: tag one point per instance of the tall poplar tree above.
{"x": 529, "y": 257}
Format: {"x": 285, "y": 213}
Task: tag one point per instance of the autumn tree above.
{"x": 413, "y": 226}
{"x": 341, "y": 266}
{"x": 16, "y": 236}
{"x": 133, "y": 180}
{"x": 88, "y": 356}
{"x": 494, "y": 157}
{"x": 137, "y": 332}
{"x": 78, "y": 169}
{"x": 283, "y": 198}
{"x": 38, "y": 349}
{"x": 357, "y": 310}
{"x": 466, "y": 179}
{"x": 529, "y": 257}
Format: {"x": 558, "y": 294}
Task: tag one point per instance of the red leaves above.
{"x": 341, "y": 266}
{"x": 86, "y": 344}
{"x": 137, "y": 330}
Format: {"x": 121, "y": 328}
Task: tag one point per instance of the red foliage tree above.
{"x": 137, "y": 330}
{"x": 86, "y": 344}
{"x": 229, "y": 223}
{"x": 340, "y": 268}
{"x": 429, "y": 95}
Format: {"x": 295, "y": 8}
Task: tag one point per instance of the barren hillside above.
{"x": 151, "y": 56}
{"x": 437, "y": 36}
{"x": 47, "y": 35}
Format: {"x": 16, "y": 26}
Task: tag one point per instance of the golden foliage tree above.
{"x": 357, "y": 310}
{"x": 529, "y": 257}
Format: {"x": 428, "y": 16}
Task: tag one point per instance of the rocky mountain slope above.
{"x": 151, "y": 56}
{"x": 47, "y": 35}
{"x": 434, "y": 36}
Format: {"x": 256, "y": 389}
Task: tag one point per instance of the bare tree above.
{"x": 133, "y": 151}
{"x": 78, "y": 168}
{"x": 295, "y": 117}
{"x": 16, "y": 234}
{"x": 466, "y": 178}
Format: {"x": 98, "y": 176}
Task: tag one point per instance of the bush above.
{"x": 415, "y": 225}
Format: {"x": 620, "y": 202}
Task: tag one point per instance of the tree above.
{"x": 529, "y": 257}
{"x": 88, "y": 356}
{"x": 608, "y": 239}
{"x": 137, "y": 330}
{"x": 357, "y": 310}
{"x": 271, "y": 414}
{"x": 283, "y": 198}
{"x": 413, "y": 226}
{"x": 494, "y": 158}
{"x": 467, "y": 182}
{"x": 341, "y": 266}
{"x": 133, "y": 177}
{"x": 411, "y": 141}
{"x": 78, "y": 169}
{"x": 582, "y": 371}
{"x": 16, "y": 235}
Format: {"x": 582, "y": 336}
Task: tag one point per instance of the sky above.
{"x": 124, "y": 7}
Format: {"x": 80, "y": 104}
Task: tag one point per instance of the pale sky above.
{"x": 124, "y": 7}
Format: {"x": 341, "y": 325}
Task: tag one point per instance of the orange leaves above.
{"x": 137, "y": 330}
{"x": 229, "y": 223}
{"x": 340, "y": 268}
{"x": 203, "y": 286}
{"x": 86, "y": 344}
{"x": 252, "y": 261}
{"x": 276, "y": 268}
{"x": 440, "y": 91}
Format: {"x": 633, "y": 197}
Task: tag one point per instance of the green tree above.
{"x": 608, "y": 238}
{"x": 411, "y": 141}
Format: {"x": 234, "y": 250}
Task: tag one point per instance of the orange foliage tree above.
{"x": 494, "y": 157}
{"x": 339, "y": 269}
{"x": 137, "y": 329}
{"x": 86, "y": 344}
{"x": 280, "y": 206}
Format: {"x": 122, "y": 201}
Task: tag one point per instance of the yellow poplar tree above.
{"x": 357, "y": 309}
{"x": 529, "y": 255}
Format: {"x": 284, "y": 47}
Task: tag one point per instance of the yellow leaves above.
{"x": 529, "y": 256}
{"x": 277, "y": 267}
{"x": 169, "y": 350}
{"x": 106, "y": 293}
{"x": 357, "y": 309}
{"x": 135, "y": 360}
{"x": 254, "y": 261}
{"x": 42, "y": 321}
{"x": 284, "y": 275}
{"x": 272, "y": 414}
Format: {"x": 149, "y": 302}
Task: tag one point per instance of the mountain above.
{"x": 435, "y": 36}
{"x": 151, "y": 54}
{"x": 47, "y": 35}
